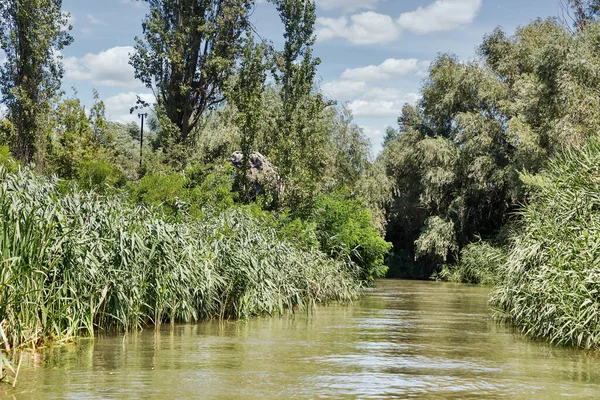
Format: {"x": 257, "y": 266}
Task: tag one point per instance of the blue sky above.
{"x": 374, "y": 53}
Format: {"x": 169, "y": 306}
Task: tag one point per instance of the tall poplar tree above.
{"x": 297, "y": 142}
{"x": 32, "y": 32}
{"x": 188, "y": 53}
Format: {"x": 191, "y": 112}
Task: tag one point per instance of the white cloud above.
{"x": 439, "y": 16}
{"x": 95, "y": 21}
{"x": 343, "y": 89}
{"x": 373, "y": 28}
{"x": 364, "y": 28}
{"x": 387, "y": 105}
{"x": 390, "y": 68}
{"x": 118, "y": 106}
{"x": 107, "y": 68}
{"x": 347, "y": 5}
{"x": 135, "y": 3}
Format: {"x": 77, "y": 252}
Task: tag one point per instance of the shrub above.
{"x": 345, "y": 231}
{"x": 99, "y": 174}
{"x": 479, "y": 263}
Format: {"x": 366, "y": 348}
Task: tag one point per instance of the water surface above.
{"x": 402, "y": 340}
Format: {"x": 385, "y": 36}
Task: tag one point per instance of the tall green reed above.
{"x": 75, "y": 263}
{"x": 551, "y": 282}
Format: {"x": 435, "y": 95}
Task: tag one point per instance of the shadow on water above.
{"x": 404, "y": 339}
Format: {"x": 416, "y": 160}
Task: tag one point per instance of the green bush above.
{"x": 211, "y": 187}
{"x": 345, "y": 231}
{"x": 479, "y": 263}
{"x": 164, "y": 190}
{"x": 551, "y": 281}
{"x": 99, "y": 173}
{"x": 6, "y": 160}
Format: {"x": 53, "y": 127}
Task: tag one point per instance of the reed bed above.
{"x": 551, "y": 282}
{"x": 76, "y": 262}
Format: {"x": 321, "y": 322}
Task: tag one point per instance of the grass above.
{"x": 551, "y": 283}
{"x": 78, "y": 262}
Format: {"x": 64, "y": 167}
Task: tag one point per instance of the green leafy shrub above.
{"x": 99, "y": 173}
{"x": 479, "y": 263}
{"x": 345, "y": 231}
{"x": 164, "y": 190}
{"x": 7, "y": 161}
{"x": 211, "y": 187}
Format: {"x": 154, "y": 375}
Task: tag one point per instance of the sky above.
{"x": 374, "y": 53}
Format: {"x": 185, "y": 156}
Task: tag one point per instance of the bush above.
{"x": 345, "y": 231}
{"x": 164, "y": 190}
{"x": 479, "y": 263}
{"x": 551, "y": 283}
{"x": 99, "y": 174}
{"x": 7, "y": 161}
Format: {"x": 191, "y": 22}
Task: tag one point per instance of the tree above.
{"x": 247, "y": 97}
{"x": 187, "y": 55}
{"x": 32, "y": 32}
{"x": 298, "y": 142}
{"x": 580, "y": 12}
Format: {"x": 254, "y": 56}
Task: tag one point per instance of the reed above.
{"x": 551, "y": 283}
{"x": 78, "y": 262}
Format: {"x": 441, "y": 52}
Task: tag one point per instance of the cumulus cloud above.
{"x": 389, "y": 69}
{"x": 361, "y": 29}
{"x": 118, "y": 106}
{"x": 439, "y": 16}
{"x": 373, "y": 28}
{"x": 343, "y": 89}
{"x": 387, "y": 106}
{"x": 107, "y": 68}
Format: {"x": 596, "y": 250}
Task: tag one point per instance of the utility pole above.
{"x": 142, "y": 116}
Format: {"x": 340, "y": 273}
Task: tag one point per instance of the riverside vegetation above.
{"x": 473, "y": 186}
{"x": 495, "y": 176}
{"x": 95, "y": 242}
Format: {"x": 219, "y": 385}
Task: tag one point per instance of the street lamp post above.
{"x": 142, "y": 116}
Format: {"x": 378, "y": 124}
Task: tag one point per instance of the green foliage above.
{"x": 550, "y": 284}
{"x": 345, "y": 231}
{"x": 78, "y": 262}
{"x": 211, "y": 188}
{"x": 31, "y": 35}
{"x": 247, "y": 97}
{"x": 7, "y": 161}
{"x": 99, "y": 174}
{"x": 480, "y": 263}
{"x": 188, "y": 52}
{"x": 459, "y": 151}
{"x": 437, "y": 239}
{"x": 165, "y": 190}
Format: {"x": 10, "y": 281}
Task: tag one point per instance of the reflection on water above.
{"x": 403, "y": 340}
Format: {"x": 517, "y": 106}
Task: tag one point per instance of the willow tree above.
{"x": 32, "y": 32}
{"x": 187, "y": 54}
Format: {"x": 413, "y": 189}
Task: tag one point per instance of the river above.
{"x": 402, "y": 340}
